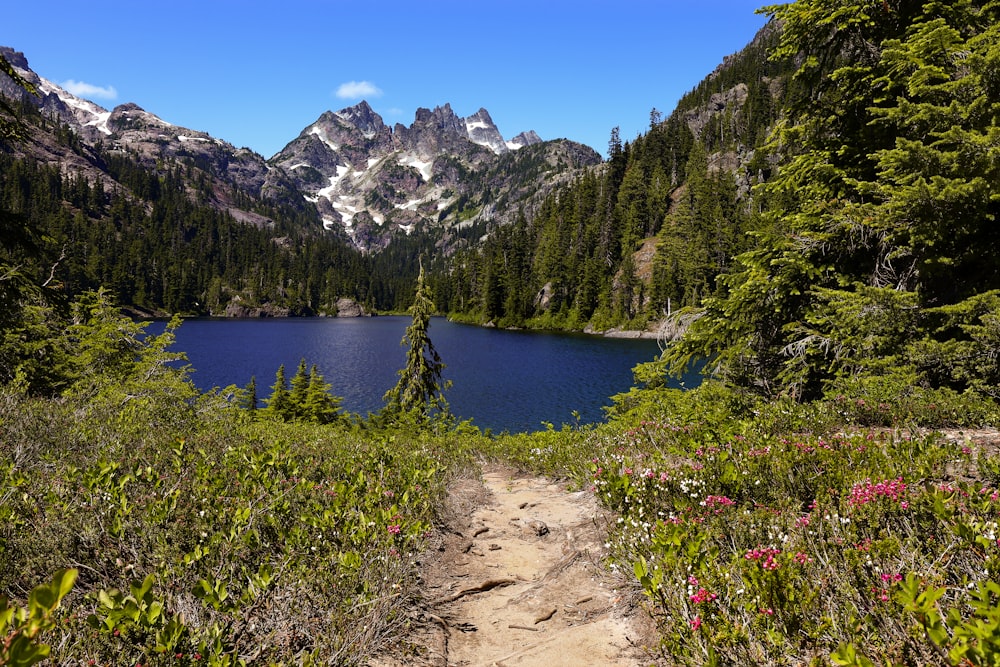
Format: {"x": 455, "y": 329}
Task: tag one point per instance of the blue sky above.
{"x": 256, "y": 73}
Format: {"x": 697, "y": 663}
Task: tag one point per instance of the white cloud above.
{"x": 84, "y": 89}
{"x": 357, "y": 89}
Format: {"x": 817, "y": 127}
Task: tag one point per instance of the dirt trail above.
{"x": 517, "y": 580}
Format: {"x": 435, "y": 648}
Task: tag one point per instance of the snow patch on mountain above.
{"x": 88, "y": 113}
{"x": 334, "y": 180}
{"x": 410, "y": 205}
{"x": 425, "y": 167}
{"x": 321, "y": 135}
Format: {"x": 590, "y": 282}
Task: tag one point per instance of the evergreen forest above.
{"x": 815, "y": 225}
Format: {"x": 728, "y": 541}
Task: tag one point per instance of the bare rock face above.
{"x": 349, "y": 308}
{"x": 240, "y": 310}
{"x": 481, "y": 130}
{"x": 528, "y": 138}
{"x": 733, "y": 99}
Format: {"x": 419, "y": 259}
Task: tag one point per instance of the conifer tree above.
{"x": 320, "y": 406}
{"x": 299, "y": 390}
{"x": 880, "y": 223}
{"x": 419, "y": 389}
{"x": 279, "y": 405}
{"x": 250, "y": 395}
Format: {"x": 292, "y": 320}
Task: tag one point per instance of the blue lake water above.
{"x": 502, "y": 380}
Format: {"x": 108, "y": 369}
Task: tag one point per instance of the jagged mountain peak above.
{"x": 528, "y": 138}
{"x": 364, "y": 118}
{"x": 372, "y": 180}
{"x": 15, "y": 58}
{"x": 483, "y": 131}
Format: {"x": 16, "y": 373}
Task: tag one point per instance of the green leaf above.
{"x": 104, "y": 598}
{"x": 27, "y": 655}
{"x": 154, "y": 611}
{"x": 64, "y": 580}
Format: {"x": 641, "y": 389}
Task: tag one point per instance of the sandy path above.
{"x": 517, "y": 580}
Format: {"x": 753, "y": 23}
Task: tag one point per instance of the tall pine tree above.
{"x": 418, "y": 392}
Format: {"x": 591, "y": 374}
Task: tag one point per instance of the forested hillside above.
{"x": 821, "y": 208}
{"x": 645, "y": 232}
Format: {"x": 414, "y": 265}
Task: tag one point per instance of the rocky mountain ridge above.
{"x": 235, "y": 174}
{"x": 348, "y": 170}
{"x": 375, "y": 181}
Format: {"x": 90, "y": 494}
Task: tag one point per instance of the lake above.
{"x": 502, "y": 380}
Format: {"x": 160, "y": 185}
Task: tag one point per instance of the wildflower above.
{"x": 767, "y": 554}
{"x": 711, "y": 501}
{"x": 702, "y": 596}
{"x": 394, "y": 529}
{"x": 696, "y": 622}
{"x": 867, "y": 492}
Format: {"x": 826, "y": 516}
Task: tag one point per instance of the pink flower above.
{"x": 696, "y": 622}
{"x": 703, "y": 596}
{"x": 711, "y": 501}
{"x": 394, "y": 529}
{"x": 867, "y": 492}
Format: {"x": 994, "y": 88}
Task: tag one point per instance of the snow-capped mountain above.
{"x": 372, "y": 180}
{"x": 480, "y": 129}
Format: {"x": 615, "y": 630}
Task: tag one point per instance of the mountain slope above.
{"x": 237, "y": 174}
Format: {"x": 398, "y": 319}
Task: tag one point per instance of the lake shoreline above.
{"x": 614, "y": 332}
